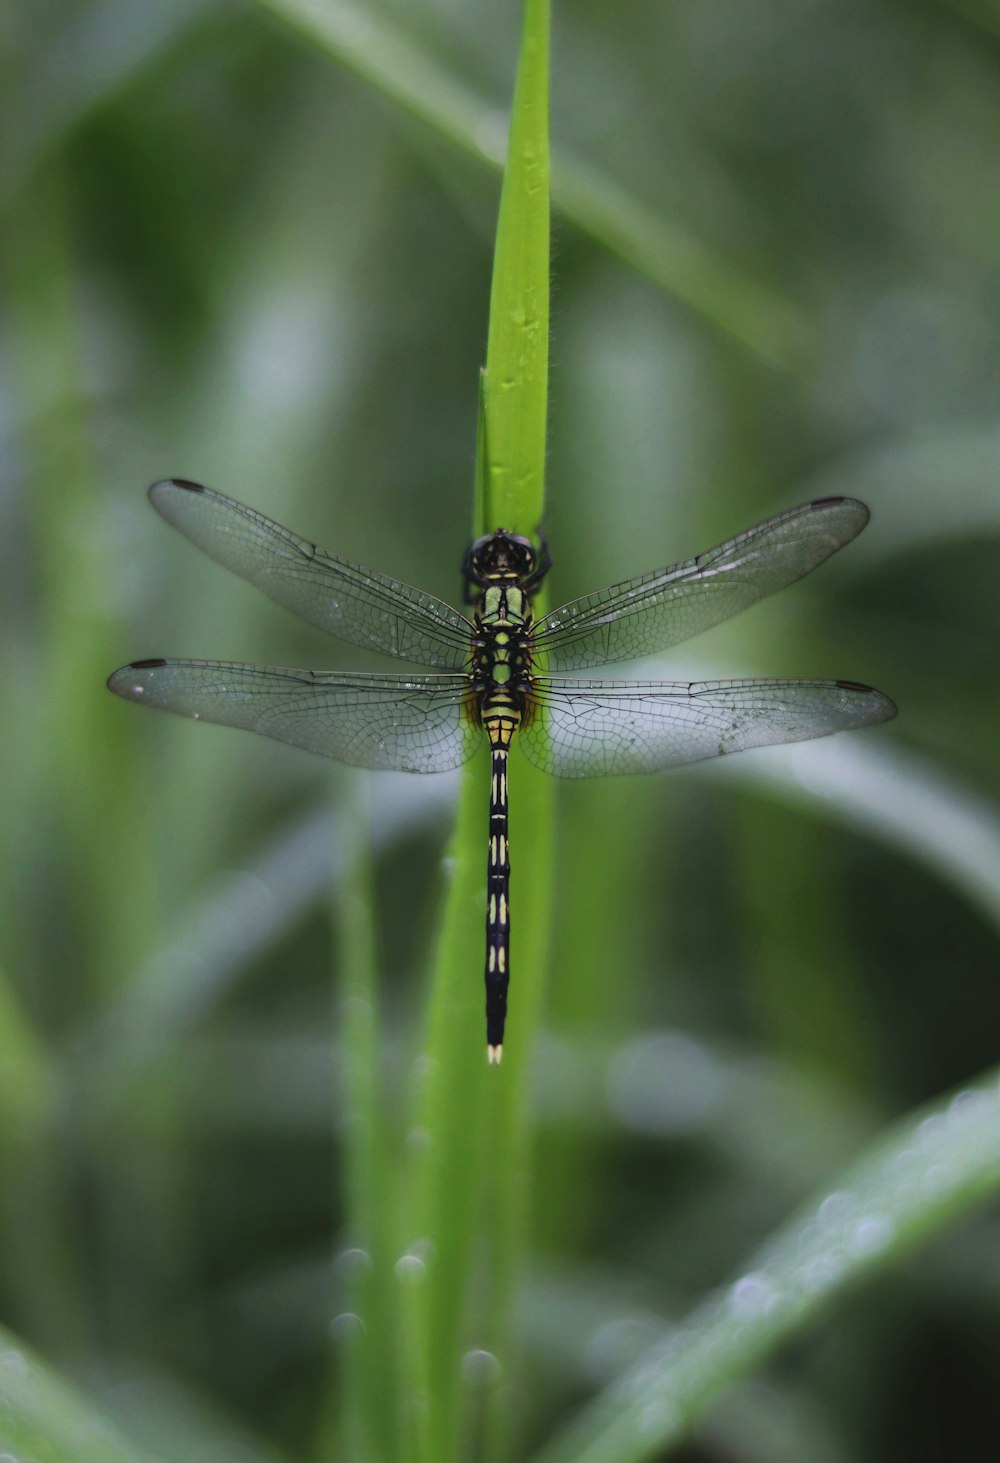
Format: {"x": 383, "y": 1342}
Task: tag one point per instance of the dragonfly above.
{"x": 497, "y": 672}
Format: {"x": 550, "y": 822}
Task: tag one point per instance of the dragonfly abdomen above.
{"x": 497, "y": 903}
{"x": 504, "y": 665}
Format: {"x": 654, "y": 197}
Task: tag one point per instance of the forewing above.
{"x": 602, "y": 728}
{"x": 348, "y": 600}
{"x": 397, "y": 723}
{"x": 663, "y": 608}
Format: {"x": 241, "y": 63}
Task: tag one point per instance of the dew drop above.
{"x": 413, "y": 1265}
{"x": 937, "y": 1177}
{"x": 480, "y": 1367}
{"x": 818, "y": 1275}
{"x": 409, "y": 1268}
{"x": 753, "y": 1295}
{"x": 930, "y": 1130}
{"x": 346, "y": 1327}
{"x": 352, "y": 1263}
{"x": 902, "y": 1160}
{"x": 871, "y": 1234}
{"x": 836, "y": 1207}
{"x": 965, "y": 1104}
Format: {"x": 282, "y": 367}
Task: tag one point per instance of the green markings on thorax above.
{"x": 504, "y": 618}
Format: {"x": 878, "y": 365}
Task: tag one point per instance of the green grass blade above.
{"x": 448, "y": 1148}
{"x": 472, "y": 1129}
{"x": 931, "y": 1169}
{"x": 895, "y": 796}
{"x": 515, "y": 405}
{"x": 517, "y": 358}
{"x": 680, "y": 265}
{"x": 367, "y": 1421}
{"x": 392, "y": 63}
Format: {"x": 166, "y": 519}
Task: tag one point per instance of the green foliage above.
{"x": 252, "y": 245}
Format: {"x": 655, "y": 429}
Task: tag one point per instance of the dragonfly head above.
{"x": 501, "y": 556}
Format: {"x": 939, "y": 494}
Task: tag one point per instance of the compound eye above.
{"x": 527, "y": 550}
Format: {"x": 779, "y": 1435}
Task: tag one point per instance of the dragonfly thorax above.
{"x": 503, "y": 620}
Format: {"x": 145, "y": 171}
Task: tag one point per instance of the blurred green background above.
{"x": 229, "y": 256}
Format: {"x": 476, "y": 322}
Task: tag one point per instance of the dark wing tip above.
{"x": 887, "y": 708}
{"x": 119, "y": 681}
{"x": 163, "y": 483}
{"x": 847, "y": 518}
{"x": 841, "y": 501}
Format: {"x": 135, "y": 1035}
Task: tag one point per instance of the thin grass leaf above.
{"x": 901, "y": 480}
{"x": 893, "y": 795}
{"x": 677, "y": 263}
{"x": 979, "y": 14}
{"x": 41, "y": 1416}
{"x": 394, "y": 64}
{"x": 368, "y": 1422}
{"x": 214, "y": 940}
{"x": 176, "y": 1422}
{"x": 28, "y": 1079}
{"x": 101, "y": 51}
{"x": 924, "y": 1175}
{"x": 80, "y": 768}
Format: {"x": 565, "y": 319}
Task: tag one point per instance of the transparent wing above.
{"x": 600, "y": 728}
{"x": 400, "y": 723}
{"x": 660, "y": 609}
{"x": 348, "y": 600}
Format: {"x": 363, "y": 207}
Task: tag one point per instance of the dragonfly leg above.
{"x": 544, "y": 564}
